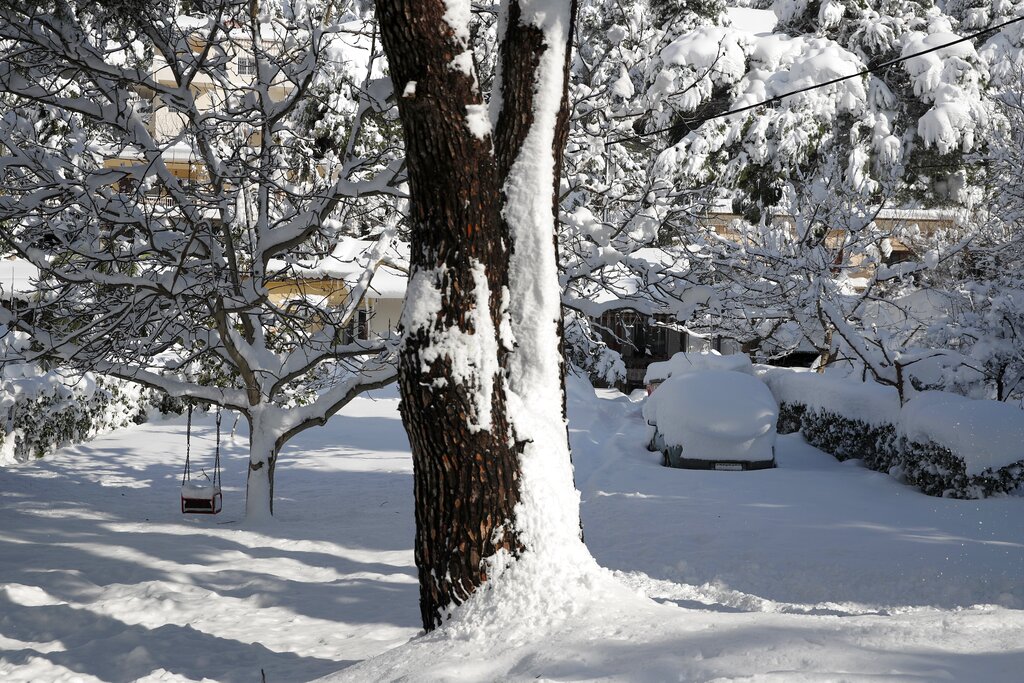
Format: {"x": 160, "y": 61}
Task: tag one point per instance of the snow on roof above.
{"x": 917, "y": 214}
{"x": 722, "y": 207}
{"x": 347, "y": 262}
{"x": 388, "y": 283}
{"x": 189, "y": 23}
{"x": 17, "y": 275}
{"x": 924, "y": 305}
{"x": 760, "y": 22}
{"x": 984, "y": 434}
{"x": 179, "y": 151}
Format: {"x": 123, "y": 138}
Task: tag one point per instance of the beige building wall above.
{"x": 386, "y": 315}
{"x": 381, "y": 314}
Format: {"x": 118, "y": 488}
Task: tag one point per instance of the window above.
{"x": 246, "y": 66}
{"x": 901, "y": 255}
{"x": 358, "y": 327}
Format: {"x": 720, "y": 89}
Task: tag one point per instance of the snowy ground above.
{"x": 814, "y": 571}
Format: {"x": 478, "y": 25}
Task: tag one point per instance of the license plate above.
{"x": 728, "y": 466}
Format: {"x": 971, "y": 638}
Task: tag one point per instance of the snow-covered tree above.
{"x": 170, "y": 174}
{"x": 481, "y": 369}
{"x": 617, "y": 217}
{"x": 985, "y": 324}
{"x": 910, "y": 122}
{"x": 812, "y": 171}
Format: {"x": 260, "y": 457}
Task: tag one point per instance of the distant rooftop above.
{"x": 760, "y": 22}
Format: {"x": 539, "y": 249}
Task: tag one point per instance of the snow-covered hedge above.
{"x": 791, "y": 417}
{"x": 945, "y": 444}
{"x": 43, "y": 411}
{"x": 870, "y": 403}
{"x": 845, "y": 438}
{"x": 958, "y": 447}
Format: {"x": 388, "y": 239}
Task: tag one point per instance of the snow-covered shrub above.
{"x": 868, "y": 402}
{"x": 46, "y": 412}
{"x": 943, "y": 443}
{"x": 841, "y": 416}
{"x": 937, "y": 471}
{"x": 847, "y": 438}
{"x": 790, "y": 417}
{"x": 957, "y": 447}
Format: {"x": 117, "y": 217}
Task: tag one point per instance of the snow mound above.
{"x": 690, "y": 361}
{"x": 984, "y": 434}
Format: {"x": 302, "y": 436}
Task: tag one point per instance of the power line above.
{"x": 692, "y": 124}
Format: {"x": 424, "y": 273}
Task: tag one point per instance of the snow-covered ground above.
{"x": 815, "y": 571}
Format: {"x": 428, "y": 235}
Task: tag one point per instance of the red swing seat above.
{"x": 201, "y": 499}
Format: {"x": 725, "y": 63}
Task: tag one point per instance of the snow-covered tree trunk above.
{"x": 480, "y": 365}
{"x": 453, "y": 405}
{"x": 532, "y": 114}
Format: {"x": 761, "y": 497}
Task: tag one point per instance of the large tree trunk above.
{"x": 452, "y": 357}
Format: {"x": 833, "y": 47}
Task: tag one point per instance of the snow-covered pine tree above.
{"x": 892, "y": 138}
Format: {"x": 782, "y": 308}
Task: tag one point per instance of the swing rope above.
{"x": 186, "y": 476}
{"x": 216, "y": 460}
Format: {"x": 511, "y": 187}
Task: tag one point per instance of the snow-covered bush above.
{"x": 42, "y": 410}
{"x": 956, "y": 447}
{"x": 48, "y": 411}
{"x": 791, "y": 417}
{"x": 847, "y": 438}
{"x": 865, "y": 401}
{"x": 944, "y": 444}
{"x": 843, "y": 417}
{"x": 937, "y": 471}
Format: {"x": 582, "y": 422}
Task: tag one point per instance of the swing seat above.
{"x": 202, "y": 499}
{"x": 200, "y": 496}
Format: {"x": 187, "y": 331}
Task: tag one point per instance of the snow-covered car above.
{"x": 691, "y": 361}
{"x": 713, "y": 419}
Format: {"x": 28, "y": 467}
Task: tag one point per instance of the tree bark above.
{"x": 451, "y": 380}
